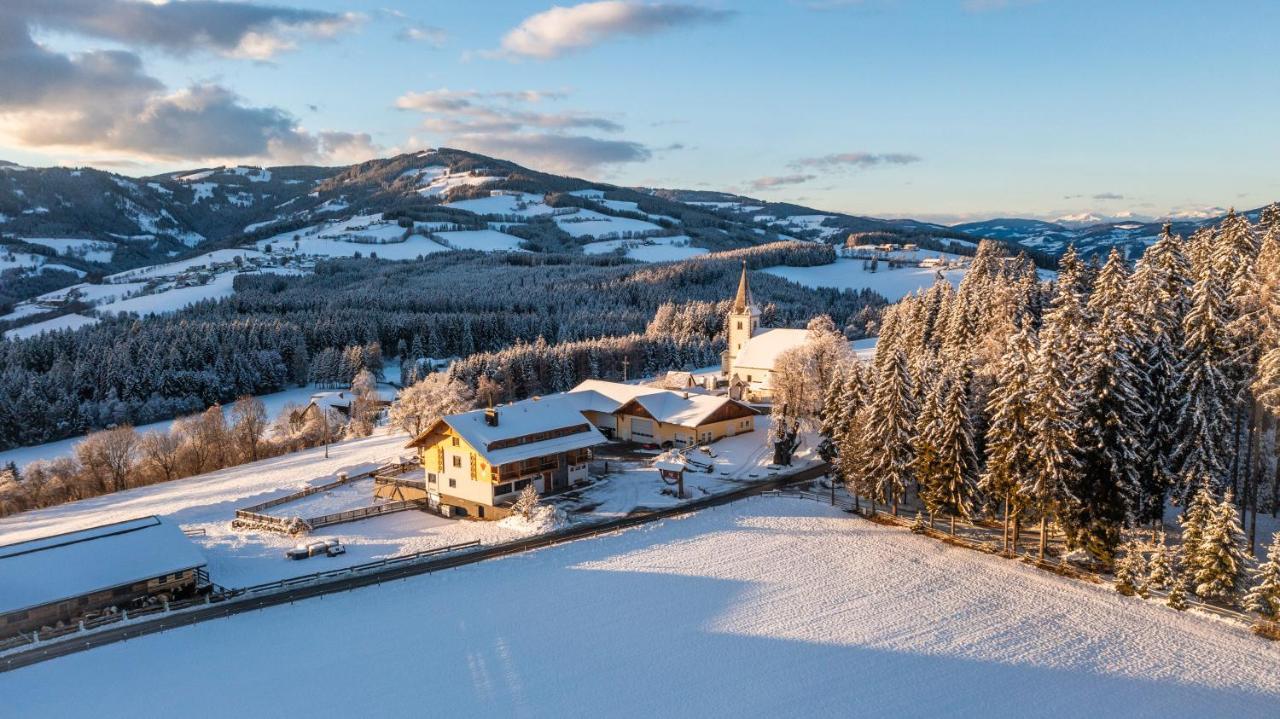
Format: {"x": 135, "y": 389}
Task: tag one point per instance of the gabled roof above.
{"x": 616, "y": 393}
{"x": 692, "y": 410}
{"x": 762, "y": 350}
{"x": 520, "y": 419}
{"x": 52, "y": 569}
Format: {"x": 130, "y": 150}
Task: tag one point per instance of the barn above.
{"x": 66, "y": 577}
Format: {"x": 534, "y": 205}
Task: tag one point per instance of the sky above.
{"x": 944, "y": 110}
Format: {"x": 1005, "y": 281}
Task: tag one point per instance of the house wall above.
{"x": 677, "y": 434}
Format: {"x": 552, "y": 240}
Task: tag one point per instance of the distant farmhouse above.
{"x": 477, "y": 462}
{"x": 749, "y": 359}
{"x": 62, "y": 578}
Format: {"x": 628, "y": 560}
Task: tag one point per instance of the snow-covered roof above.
{"x": 679, "y": 408}
{"x": 521, "y": 419}
{"x": 51, "y": 569}
{"x": 670, "y": 461}
{"x": 762, "y": 350}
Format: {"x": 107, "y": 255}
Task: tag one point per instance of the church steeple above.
{"x": 742, "y": 303}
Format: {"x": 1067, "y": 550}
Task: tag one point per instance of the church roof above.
{"x": 762, "y": 350}
{"x": 742, "y": 302}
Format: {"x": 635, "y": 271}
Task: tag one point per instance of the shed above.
{"x": 61, "y": 578}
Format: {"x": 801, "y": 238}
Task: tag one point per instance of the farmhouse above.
{"x": 478, "y": 462}
{"x": 749, "y": 359}
{"x": 64, "y": 577}
{"x": 636, "y": 413}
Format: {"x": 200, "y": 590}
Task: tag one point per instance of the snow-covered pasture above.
{"x": 86, "y": 249}
{"x": 176, "y": 268}
{"x": 653, "y": 249}
{"x": 849, "y": 274}
{"x": 767, "y": 607}
{"x": 520, "y": 204}
{"x": 584, "y": 223}
{"x": 64, "y": 322}
{"x": 483, "y": 240}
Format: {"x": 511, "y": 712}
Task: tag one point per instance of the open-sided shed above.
{"x": 65, "y": 576}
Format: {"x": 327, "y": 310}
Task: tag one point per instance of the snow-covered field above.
{"x": 846, "y": 273}
{"x": 767, "y": 607}
{"x": 64, "y": 322}
{"x": 174, "y": 268}
{"x": 654, "y": 249}
{"x": 483, "y": 240}
{"x": 522, "y": 204}
{"x": 87, "y": 249}
{"x": 597, "y": 224}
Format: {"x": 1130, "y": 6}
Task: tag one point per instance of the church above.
{"x": 748, "y": 361}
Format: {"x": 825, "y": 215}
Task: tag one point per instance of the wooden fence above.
{"x": 256, "y": 516}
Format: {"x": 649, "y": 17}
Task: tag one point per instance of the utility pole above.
{"x": 626, "y": 362}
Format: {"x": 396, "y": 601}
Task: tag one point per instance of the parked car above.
{"x": 328, "y": 547}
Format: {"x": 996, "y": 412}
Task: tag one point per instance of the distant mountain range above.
{"x": 89, "y": 222}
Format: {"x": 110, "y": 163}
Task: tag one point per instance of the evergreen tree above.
{"x": 1194, "y": 521}
{"x": 1264, "y": 595}
{"x": 888, "y": 438}
{"x": 1203, "y": 389}
{"x": 1160, "y": 567}
{"x": 1010, "y": 436}
{"x": 1112, "y": 417}
{"x": 1131, "y": 571}
{"x": 1177, "y": 598}
{"x": 952, "y": 486}
{"x": 1222, "y": 563}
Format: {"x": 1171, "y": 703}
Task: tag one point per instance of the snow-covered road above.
{"x": 767, "y": 607}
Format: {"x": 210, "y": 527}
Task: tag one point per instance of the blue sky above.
{"x": 936, "y": 109}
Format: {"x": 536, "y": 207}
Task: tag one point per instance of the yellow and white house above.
{"x": 478, "y": 461}
{"x": 647, "y": 415}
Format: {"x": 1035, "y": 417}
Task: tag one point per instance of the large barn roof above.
{"x": 51, "y": 569}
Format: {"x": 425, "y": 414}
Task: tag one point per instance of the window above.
{"x": 431, "y": 478}
{"x": 453, "y": 482}
{"x": 739, "y": 324}
{"x": 455, "y": 441}
{"x": 502, "y": 489}
{"x": 457, "y": 460}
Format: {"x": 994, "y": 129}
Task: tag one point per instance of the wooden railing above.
{"x": 255, "y": 515}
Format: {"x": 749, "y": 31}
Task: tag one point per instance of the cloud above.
{"x": 769, "y": 183}
{"x": 560, "y": 30}
{"x": 506, "y": 124}
{"x": 103, "y": 102}
{"x": 426, "y": 34}
{"x": 859, "y": 160}
{"x": 1099, "y": 196}
{"x": 237, "y": 29}
{"x": 569, "y": 154}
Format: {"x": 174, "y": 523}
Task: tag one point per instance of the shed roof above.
{"x": 52, "y": 569}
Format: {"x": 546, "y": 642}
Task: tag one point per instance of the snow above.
{"x": 415, "y": 246}
{"x": 203, "y": 190}
{"x": 438, "y": 181}
{"x": 848, "y": 274}
{"x": 170, "y": 300}
{"x": 169, "y": 269}
{"x": 767, "y": 607}
{"x": 87, "y": 249}
{"x": 505, "y": 204}
{"x": 22, "y": 456}
{"x": 585, "y": 223}
{"x": 652, "y": 249}
{"x": 483, "y": 240}
{"x": 45, "y": 571}
{"x": 65, "y": 322}
{"x": 195, "y": 176}
{"x": 762, "y": 350}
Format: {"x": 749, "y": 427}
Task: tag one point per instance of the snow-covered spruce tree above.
{"x": 1222, "y": 561}
{"x": 1194, "y": 521}
{"x": 1010, "y": 436}
{"x": 926, "y": 462}
{"x": 526, "y": 503}
{"x": 1203, "y": 389}
{"x": 1264, "y": 593}
{"x": 1235, "y": 256}
{"x": 1056, "y": 400}
{"x": 953, "y": 484}
{"x": 1160, "y": 567}
{"x": 1112, "y": 416}
{"x": 888, "y": 433}
{"x": 1267, "y": 383}
{"x": 1177, "y": 598}
{"x": 1160, "y": 288}
{"x": 1131, "y": 571}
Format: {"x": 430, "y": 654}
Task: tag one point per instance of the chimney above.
{"x": 491, "y": 417}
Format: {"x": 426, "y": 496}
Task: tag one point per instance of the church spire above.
{"x": 742, "y": 302}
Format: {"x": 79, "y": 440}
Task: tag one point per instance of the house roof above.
{"x": 51, "y": 569}
{"x": 685, "y": 409}
{"x": 762, "y": 350}
{"x": 521, "y": 419}
{"x": 617, "y": 393}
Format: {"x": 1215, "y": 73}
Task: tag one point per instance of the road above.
{"x": 60, "y": 648}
